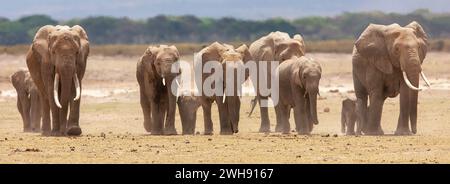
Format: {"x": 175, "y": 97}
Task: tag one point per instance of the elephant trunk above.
{"x": 413, "y": 96}
{"x": 411, "y": 70}
{"x": 312, "y": 96}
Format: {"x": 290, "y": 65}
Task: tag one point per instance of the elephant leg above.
{"x": 146, "y": 110}
{"x": 265, "y": 122}
{"x": 300, "y": 116}
{"x": 225, "y": 124}
{"x": 157, "y": 119}
{"x": 169, "y": 128}
{"x": 46, "y": 128}
{"x": 282, "y": 112}
{"x": 375, "y": 111}
{"x": 207, "y": 118}
{"x": 73, "y": 126}
{"x": 48, "y": 78}
{"x": 308, "y": 115}
{"x": 35, "y": 111}
{"x": 24, "y": 112}
{"x": 350, "y": 125}
{"x": 403, "y": 119}
{"x": 343, "y": 120}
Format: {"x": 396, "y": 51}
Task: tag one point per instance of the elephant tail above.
{"x": 253, "y": 103}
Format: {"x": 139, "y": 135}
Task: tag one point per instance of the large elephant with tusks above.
{"x": 57, "y": 62}
{"x": 387, "y": 61}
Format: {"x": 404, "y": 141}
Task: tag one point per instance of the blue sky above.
{"x": 247, "y": 9}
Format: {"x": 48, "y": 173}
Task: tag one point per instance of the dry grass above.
{"x": 113, "y": 130}
{"x": 334, "y": 46}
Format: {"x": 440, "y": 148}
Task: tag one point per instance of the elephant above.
{"x": 57, "y": 61}
{"x": 28, "y": 101}
{"x": 155, "y": 78}
{"x": 229, "y": 102}
{"x": 299, "y": 91}
{"x": 276, "y": 46}
{"x": 187, "y": 107}
{"x": 348, "y": 117}
{"x": 386, "y": 62}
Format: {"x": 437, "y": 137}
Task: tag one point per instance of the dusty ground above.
{"x": 111, "y": 120}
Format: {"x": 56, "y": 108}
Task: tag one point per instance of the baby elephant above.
{"x": 28, "y": 102}
{"x": 187, "y": 107}
{"x": 348, "y": 118}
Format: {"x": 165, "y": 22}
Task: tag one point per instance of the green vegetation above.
{"x": 188, "y": 29}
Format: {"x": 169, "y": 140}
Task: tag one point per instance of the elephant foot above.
{"x": 278, "y": 128}
{"x": 350, "y": 133}
{"x": 46, "y": 133}
{"x": 56, "y": 133}
{"x": 188, "y": 133}
{"x": 376, "y": 132}
{"x": 208, "y": 133}
{"x": 304, "y": 133}
{"x": 358, "y": 133}
{"x": 264, "y": 129}
{"x": 73, "y": 131}
{"x": 170, "y": 131}
{"x": 403, "y": 132}
{"x": 36, "y": 130}
{"x": 155, "y": 132}
{"x": 27, "y": 130}
{"x": 148, "y": 127}
{"x": 226, "y": 133}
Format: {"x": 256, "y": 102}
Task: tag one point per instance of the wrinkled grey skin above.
{"x": 299, "y": 91}
{"x": 348, "y": 118}
{"x": 158, "y": 103}
{"x": 28, "y": 101}
{"x": 380, "y": 57}
{"x": 276, "y": 46}
{"x": 187, "y": 107}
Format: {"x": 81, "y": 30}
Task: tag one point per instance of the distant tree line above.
{"x": 110, "y": 30}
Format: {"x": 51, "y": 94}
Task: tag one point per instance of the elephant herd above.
{"x": 386, "y": 62}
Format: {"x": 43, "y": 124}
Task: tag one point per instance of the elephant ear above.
{"x": 372, "y": 46}
{"x": 243, "y": 50}
{"x": 299, "y": 38}
{"x": 18, "y": 78}
{"x": 148, "y": 59}
{"x": 84, "y": 49}
{"x": 41, "y": 42}
{"x": 423, "y": 38}
{"x": 297, "y": 74}
{"x": 213, "y": 52}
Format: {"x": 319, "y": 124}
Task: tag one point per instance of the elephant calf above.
{"x": 187, "y": 107}
{"x": 348, "y": 118}
{"x": 155, "y": 78}
{"x": 298, "y": 89}
{"x": 28, "y": 101}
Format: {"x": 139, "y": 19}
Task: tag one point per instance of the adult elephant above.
{"x": 228, "y": 102}
{"x": 57, "y": 62}
{"x": 155, "y": 78}
{"x": 298, "y": 91}
{"x": 276, "y": 46}
{"x": 28, "y": 102}
{"x": 387, "y": 61}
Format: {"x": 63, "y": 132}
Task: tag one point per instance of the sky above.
{"x": 244, "y": 9}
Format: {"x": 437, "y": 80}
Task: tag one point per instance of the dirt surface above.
{"x": 111, "y": 120}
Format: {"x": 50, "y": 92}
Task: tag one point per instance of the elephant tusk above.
{"x": 425, "y": 79}
{"x": 55, "y": 90}
{"x": 164, "y": 81}
{"x": 77, "y": 87}
{"x": 409, "y": 83}
{"x": 224, "y": 95}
